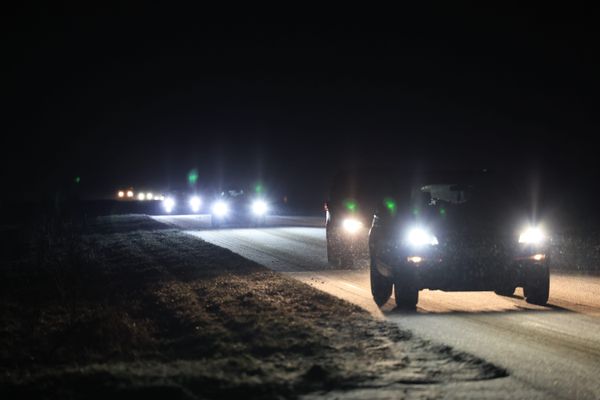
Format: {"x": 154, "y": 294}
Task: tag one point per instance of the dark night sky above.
{"x": 140, "y": 97}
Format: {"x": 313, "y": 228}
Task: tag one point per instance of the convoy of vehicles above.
{"x": 236, "y": 206}
{"x": 452, "y": 231}
{"x": 446, "y": 231}
{"x": 128, "y": 194}
{"x": 233, "y": 207}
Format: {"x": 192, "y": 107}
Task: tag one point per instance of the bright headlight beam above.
{"x": 259, "y": 207}
{"x": 195, "y": 203}
{"x": 121, "y": 194}
{"x": 351, "y": 225}
{"x": 141, "y": 196}
{"x": 220, "y": 208}
{"x": 129, "y": 193}
{"x": 169, "y": 204}
{"x": 419, "y": 237}
{"x": 532, "y": 235}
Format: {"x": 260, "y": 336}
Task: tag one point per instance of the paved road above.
{"x": 550, "y": 352}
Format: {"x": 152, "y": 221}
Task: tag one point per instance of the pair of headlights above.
{"x": 419, "y": 237}
{"x": 194, "y": 202}
{"x": 259, "y": 208}
{"x": 220, "y": 207}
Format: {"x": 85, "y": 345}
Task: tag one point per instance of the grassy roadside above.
{"x": 129, "y": 308}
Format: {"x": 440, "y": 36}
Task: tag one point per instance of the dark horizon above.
{"x": 126, "y": 99}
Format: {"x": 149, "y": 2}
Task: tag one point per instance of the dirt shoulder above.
{"x": 130, "y": 308}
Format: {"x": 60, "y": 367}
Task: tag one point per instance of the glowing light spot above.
{"x": 351, "y": 205}
{"x": 258, "y": 188}
{"x": 390, "y": 204}
{"x": 192, "y": 176}
{"x": 351, "y": 225}
{"x": 77, "y": 179}
{"x": 443, "y": 212}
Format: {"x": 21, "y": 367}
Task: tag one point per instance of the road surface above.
{"x": 550, "y": 352}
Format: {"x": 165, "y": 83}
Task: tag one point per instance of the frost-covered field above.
{"x": 129, "y": 307}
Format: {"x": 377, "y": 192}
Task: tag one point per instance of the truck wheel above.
{"x": 537, "y": 285}
{"x": 407, "y": 295}
{"x": 381, "y": 286}
{"x": 339, "y": 253}
{"x": 333, "y": 256}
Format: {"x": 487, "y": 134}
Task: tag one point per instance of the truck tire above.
{"x": 537, "y": 285}
{"x": 333, "y": 254}
{"x": 406, "y": 294}
{"x": 381, "y": 286}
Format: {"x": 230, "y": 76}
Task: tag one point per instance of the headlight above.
{"x": 121, "y": 194}
{"x": 419, "y": 237}
{"x": 351, "y": 225}
{"x": 259, "y": 207}
{"x": 220, "y": 208}
{"x": 195, "y": 203}
{"x": 169, "y": 204}
{"x": 141, "y": 196}
{"x": 130, "y": 193}
{"x": 149, "y": 196}
{"x": 532, "y": 235}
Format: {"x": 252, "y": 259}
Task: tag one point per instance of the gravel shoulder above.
{"x": 129, "y": 307}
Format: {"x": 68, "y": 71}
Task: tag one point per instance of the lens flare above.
{"x": 195, "y": 203}
{"x": 418, "y": 237}
{"x": 351, "y": 225}
{"x": 220, "y": 208}
{"x": 532, "y": 235}
{"x": 259, "y": 207}
{"x": 169, "y": 204}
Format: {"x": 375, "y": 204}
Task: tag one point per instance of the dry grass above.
{"x": 118, "y": 311}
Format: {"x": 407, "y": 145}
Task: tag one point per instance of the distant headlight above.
{"x": 418, "y": 237}
{"x": 532, "y": 235}
{"x": 195, "y": 203}
{"x": 149, "y": 196}
{"x": 169, "y": 204}
{"x": 130, "y": 193}
{"x": 121, "y": 194}
{"x": 259, "y": 207}
{"x": 220, "y": 208}
{"x": 141, "y": 196}
{"x": 351, "y": 225}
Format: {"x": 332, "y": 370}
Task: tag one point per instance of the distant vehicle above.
{"x": 125, "y": 194}
{"x": 456, "y": 232}
{"x": 353, "y": 199}
{"x": 238, "y": 207}
{"x": 130, "y": 194}
{"x": 179, "y": 202}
